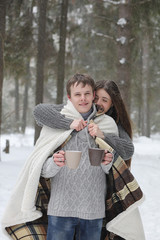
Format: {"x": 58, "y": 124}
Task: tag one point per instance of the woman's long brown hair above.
{"x": 118, "y": 111}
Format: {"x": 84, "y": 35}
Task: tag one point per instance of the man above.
{"x": 116, "y": 217}
{"x": 77, "y": 202}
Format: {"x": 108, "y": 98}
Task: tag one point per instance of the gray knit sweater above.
{"x": 49, "y": 114}
{"x": 77, "y": 193}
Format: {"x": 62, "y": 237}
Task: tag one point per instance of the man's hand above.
{"x": 108, "y": 157}
{"x": 78, "y": 124}
{"x": 94, "y": 131}
{"x": 59, "y": 158}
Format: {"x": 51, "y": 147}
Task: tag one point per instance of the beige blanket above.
{"x": 21, "y": 206}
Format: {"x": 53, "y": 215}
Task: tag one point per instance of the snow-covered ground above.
{"x": 145, "y": 167}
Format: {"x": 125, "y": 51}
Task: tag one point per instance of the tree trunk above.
{"x": 17, "y": 104}
{"x": 2, "y": 37}
{"x": 40, "y": 57}
{"x": 124, "y": 51}
{"x": 145, "y": 85}
{"x": 61, "y": 54}
{"x": 25, "y": 100}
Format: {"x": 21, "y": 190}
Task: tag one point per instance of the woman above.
{"x": 109, "y": 101}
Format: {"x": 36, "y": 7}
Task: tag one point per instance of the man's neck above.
{"x": 86, "y": 115}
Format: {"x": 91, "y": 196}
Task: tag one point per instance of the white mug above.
{"x": 72, "y": 158}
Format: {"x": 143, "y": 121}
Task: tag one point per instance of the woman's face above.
{"x": 103, "y": 100}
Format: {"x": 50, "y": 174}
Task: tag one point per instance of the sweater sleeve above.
{"x": 49, "y": 169}
{"x": 122, "y": 145}
{"x": 106, "y": 168}
{"x": 49, "y": 115}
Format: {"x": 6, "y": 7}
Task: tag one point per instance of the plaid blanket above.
{"x": 35, "y": 230}
{"x": 123, "y": 191}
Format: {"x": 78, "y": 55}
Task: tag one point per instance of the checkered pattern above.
{"x": 123, "y": 191}
{"x": 35, "y": 230}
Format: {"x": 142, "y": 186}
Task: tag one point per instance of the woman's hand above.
{"x": 108, "y": 157}
{"x": 59, "y": 158}
{"x": 78, "y": 124}
{"x": 94, "y": 131}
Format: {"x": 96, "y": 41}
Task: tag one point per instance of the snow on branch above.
{"x": 101, "y": 34}
{"x": 122, "y": 40}
{"x": 122, "y": 22}
{"x": 145, "y": 1}
{"x": 115, "y": 2}
{"x": 122, "y": 60}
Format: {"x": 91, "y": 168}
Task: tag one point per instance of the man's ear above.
{"x": 69, "y": 97}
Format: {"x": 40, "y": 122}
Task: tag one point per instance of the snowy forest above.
{"x": 44, "y": 42}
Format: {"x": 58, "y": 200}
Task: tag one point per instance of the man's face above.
{"x": 81, "y": 97}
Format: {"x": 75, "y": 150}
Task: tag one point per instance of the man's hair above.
{"x": 78, "y": 78}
